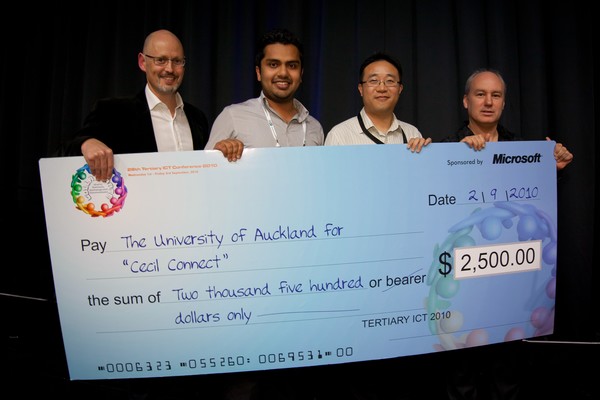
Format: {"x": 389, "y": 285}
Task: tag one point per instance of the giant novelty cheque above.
{"x": 186, "y": 264}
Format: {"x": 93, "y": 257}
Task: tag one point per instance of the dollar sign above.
{"x": 447, "y": 267}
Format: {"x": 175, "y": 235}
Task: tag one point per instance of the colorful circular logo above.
{"x": 87, "y": 192}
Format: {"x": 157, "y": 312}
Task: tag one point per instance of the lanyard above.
{"x": 274, "y": 132}
{"x": 370, "y": 135}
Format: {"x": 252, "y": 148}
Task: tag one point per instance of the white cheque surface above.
{"x": 188, "y": 264}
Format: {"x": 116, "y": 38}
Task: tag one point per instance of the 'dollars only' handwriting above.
{"x": 199, "y": 317}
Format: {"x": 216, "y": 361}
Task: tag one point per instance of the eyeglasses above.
{"x": 162, "y": 61}
{"x": 375, "y": 82}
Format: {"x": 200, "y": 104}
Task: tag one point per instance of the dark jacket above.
{"x": 125, "y": 125}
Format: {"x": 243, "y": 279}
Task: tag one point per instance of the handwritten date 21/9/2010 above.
{"x": 475, "y": 196}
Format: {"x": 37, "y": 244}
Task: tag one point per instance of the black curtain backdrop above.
{"x": 60, "y": 59}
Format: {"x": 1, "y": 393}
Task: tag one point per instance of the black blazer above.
{"x": 125, "y": 125}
